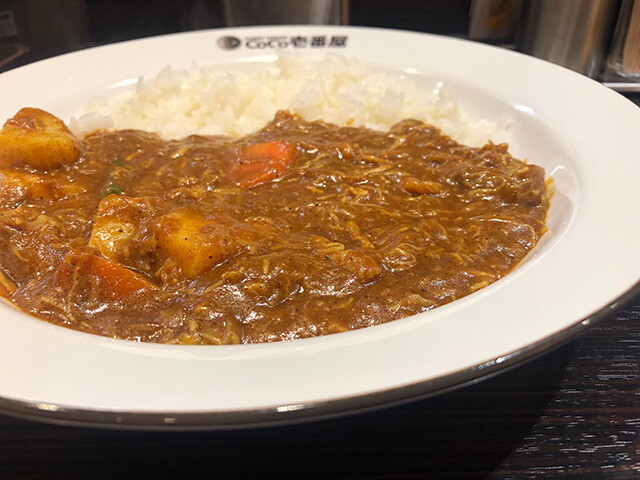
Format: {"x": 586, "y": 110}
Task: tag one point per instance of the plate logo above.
{"x": 283, "y": 41}
{"x": 229, "y": 43}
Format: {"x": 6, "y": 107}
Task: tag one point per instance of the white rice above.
{"x": 237, "y": 100}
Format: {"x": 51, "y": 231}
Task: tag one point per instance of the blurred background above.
{"x": 599, "y": 38}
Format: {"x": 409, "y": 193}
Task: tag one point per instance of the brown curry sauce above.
{"x": 298, "y": 230}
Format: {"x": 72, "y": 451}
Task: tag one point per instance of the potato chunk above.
{"x": 113, "y": 226}
{"x": 196, "y": 242}
{"x": 36, "y": 138}
{"x": 121, "y": 230}
{"x": 19, "y": 186}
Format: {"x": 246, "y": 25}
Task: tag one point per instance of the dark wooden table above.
{"x": 573, "y": 413}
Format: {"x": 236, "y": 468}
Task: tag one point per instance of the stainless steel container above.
{"x": 572, "y": 33}
{"x": 261, "y": 12}
{"x": 624, "y": 56}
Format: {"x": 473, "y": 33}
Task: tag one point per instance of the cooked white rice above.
{"x": 237, "y": 100}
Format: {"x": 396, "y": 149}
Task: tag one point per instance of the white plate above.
{"x": 586, "y": 136}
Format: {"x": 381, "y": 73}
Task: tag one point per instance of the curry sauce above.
{"x": 298, "y": 230}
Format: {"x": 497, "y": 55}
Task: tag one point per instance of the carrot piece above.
{"x": 118, "y": 280}
{"x": 261, "y": 162}
{"x": 280, "y": 150}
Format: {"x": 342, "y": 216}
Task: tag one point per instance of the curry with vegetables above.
{"x": 298, "y": 230}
